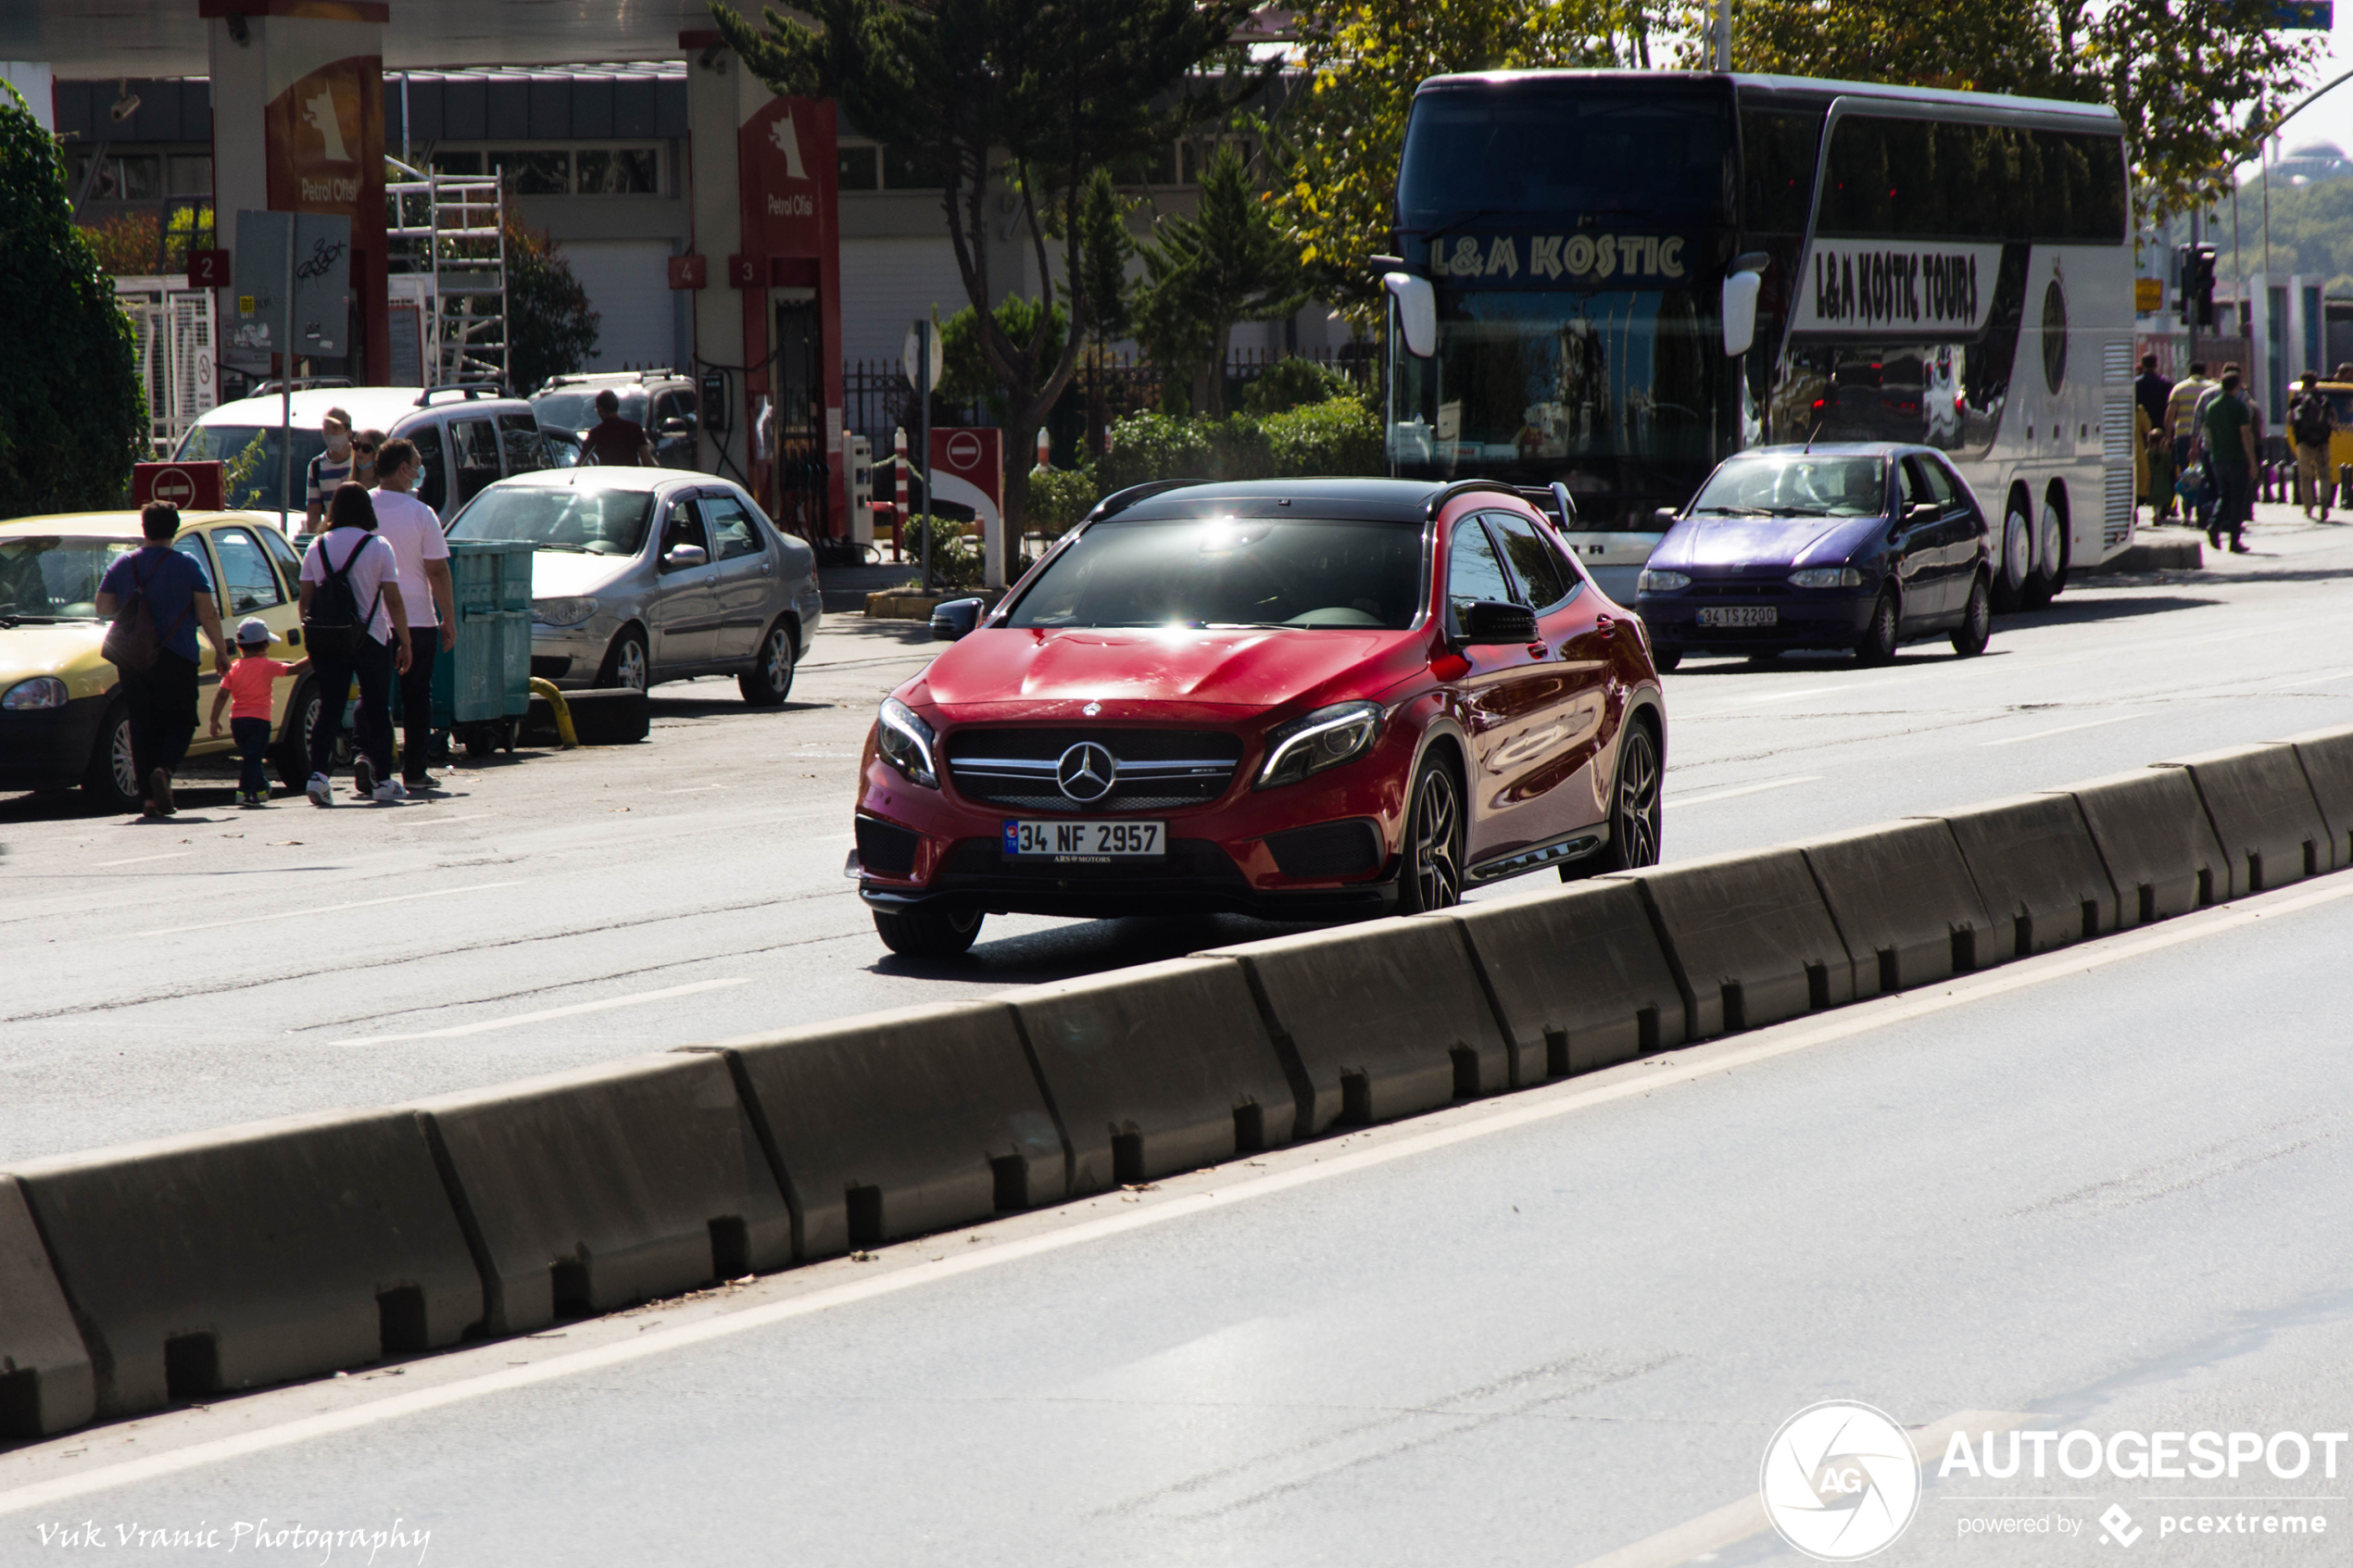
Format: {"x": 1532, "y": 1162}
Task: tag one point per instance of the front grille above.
{"x": 1155, "y": 770}
{"x": 1344, "y": 849}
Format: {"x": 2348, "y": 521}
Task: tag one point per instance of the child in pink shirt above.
{"x": 246, "y": 689}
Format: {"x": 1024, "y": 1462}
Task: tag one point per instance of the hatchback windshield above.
{"x": 48, "y": 578}
{"x": 1795, "y": 486}
{"x": 596, "y": 522}
{"x": 577, "y": 409}
{"x": 1231, "y": 571}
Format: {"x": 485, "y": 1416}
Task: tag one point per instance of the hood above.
{"x": 1723, "y": 544}
{"x": 68, "y": 652}
{"x": 1238, "y": 668}
{"x": 562, "y": 574}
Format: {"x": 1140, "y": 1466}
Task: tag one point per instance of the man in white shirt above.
{"x": 414, "y": 533}
{"x": 366, "y": 641}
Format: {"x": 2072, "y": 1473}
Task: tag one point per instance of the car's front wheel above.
{"x": 927, "y": 932}
{"x": 625, "y": 662}
{"x": 769, "y": 682}
{"x": 1879, "y": 640}
{"x": 1431, "y": 877}
{"x": 1977, "y": 619}
{"x": 112, "y": 782}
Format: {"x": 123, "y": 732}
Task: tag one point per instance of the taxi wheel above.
{"x": 112, "y": 782}
{"x": 292, "y": 755}
{"x": 927, "y": 932}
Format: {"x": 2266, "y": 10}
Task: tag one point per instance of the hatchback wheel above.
{"x": 625, "y": 662}
{"x": 1877, "y": 646}
{"x": 767, "y": 683}
{"x": 1976, "y": 621}
{"x": 927, "y": 932}
{"x": 113, "y": 778}
{"x": 292, "y": 755}
{"x": 1432, "y": 876}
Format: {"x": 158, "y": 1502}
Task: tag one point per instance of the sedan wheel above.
{"x": 766, "y": 683}
{"x": 1433, "y": 873}
{"x": 625, "y": 664}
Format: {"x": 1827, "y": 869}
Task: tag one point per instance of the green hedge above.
{"x": 1338, "y": 438}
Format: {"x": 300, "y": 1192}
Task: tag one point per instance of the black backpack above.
{"x": 2309, "y": 418}
{"x": 334, "y": 624}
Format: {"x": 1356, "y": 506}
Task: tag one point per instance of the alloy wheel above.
{"x": 1637, "y": 800}
{"x": 124, "y": 764}
{"x": 1437, "y": 873}
{"x": 629, "y": 665}
{"x": 780, "y": 660}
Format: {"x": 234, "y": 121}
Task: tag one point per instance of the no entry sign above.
{"x": 189, "y": 487}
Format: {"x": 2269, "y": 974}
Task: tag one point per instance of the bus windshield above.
{"x": 1560, "y": 148}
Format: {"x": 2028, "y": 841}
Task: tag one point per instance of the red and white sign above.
{"x": 689, "y": 272}
{"x": 976, "y": 456}
{"x": 207, "y": 269}
{"x": 793, "y": 174}
{"x": 190, "y": 487}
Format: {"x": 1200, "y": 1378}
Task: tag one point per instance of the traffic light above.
{"x": 2197, "y": 286}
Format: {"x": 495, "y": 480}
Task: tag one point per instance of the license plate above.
{"x": 1740, "y": 615}
{"x": 1085, "y": 840}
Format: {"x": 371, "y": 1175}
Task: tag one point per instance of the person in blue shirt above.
{"x": 163, "y": 699}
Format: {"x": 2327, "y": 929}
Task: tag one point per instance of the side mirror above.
{"x": 1663, "y": 518}
{"x": 953, "y": 618}
{"x": 684, "y": 555}
{"x": 1491, "y": 622}
{"x": 674, "y": 427}
{"x": 1417, "y": 312}
{"x": 1739, "y": 311}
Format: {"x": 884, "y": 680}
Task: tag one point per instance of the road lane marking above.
{"x": 1785, "y": 696}
{"x": 2307, "y": 680}
{"x": 2062, "y": 729}
{"x": 440, "y": 822}
{"x": 1320, "y": 1161}
{"x": 143, "y": 859}
{"x": 488, "y": 1025}
{"x": 324, "y": 910}
{"x": 1744, "y": 789}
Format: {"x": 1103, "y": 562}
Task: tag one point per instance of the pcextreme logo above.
{"x": 1839, "y": 1481}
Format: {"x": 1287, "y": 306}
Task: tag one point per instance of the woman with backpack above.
{"x": 355, "y": 628}
{"x": 156, "y": 597}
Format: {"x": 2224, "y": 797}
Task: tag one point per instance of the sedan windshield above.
{"x": 1795, "y": 486}
{"x": 577, "y": 409}
{"x": 596, "y": 522}
{"x": 1231, "y": 571}
{"x": 47, "y": 577}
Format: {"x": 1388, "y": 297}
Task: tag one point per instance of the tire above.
{"x": 769, "y": 682}
{"x": 625, "y": 662}
{"x": 927, "y": 932}
{"x": 2050, "y": 568}
{"x": 1432, "y": 875}
{"x": 1666, "y": 659}
{"x": 1637, "y": 810}
{"x": 1977, "y": 619}
{"x": 112, "y": 781}
{"x": 2016, "y": 562}
{"x": 1878, "y": 645}
{"x": 482, "y": 739}
{"x": 291, "y": 756}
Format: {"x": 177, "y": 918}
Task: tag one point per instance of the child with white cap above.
{"x": 246, "y": 689}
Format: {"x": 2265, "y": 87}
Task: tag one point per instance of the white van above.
{"x": 468, "y": 437}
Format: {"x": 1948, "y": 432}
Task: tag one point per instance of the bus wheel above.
{"x": 2049, "y": 574}
{"x": 2016, "y": 558}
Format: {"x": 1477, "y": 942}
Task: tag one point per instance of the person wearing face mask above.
{"x": 327, "y": 470}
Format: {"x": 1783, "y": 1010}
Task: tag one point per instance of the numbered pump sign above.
{"x": 321, "y": 267}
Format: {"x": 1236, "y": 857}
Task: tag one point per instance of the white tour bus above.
{"x": 1612, "y": 280}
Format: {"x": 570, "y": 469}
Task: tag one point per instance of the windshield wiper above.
{"x": 1731, "y": 512}
{"x": 551, "y": 545}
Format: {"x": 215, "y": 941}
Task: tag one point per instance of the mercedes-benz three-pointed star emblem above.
{"x": 1086, "y": 772}
{"x": 1091, "y": 710}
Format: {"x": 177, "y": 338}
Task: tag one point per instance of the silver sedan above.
{"x": 642, "y": 575}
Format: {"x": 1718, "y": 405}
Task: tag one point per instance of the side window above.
{"x": 1472, "y": 572}
{"x": 289, "y": 564}
{"x": 665, "y": 410}
{"x": 192, "y": 546}
{"x": 1933, "y": 484}
{"x": 433, "y": 481}
{"x": 1534, "y": 562}
{"x": 475, "y": 446}
{"x": 680, "y": 525}
{"x": 732, "y": 530}
{"x": 518, "y": 434}
{"x": 247, "y": 582}
{"x": 1908, "y": 487}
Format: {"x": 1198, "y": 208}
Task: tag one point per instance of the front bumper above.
{"x": 572, "y": 656}
{"x": 49, "y": 748}
{"x": 1806, "y": 618}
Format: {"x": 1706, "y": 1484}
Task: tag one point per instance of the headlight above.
{"x": 906, "y": 743}
{"x": 561, "y": 612}
{"x": 1827, "y": 577}
{"x": 42, "y": 691}
{"x": 1316, "y": 741}
{"x": 1663, "y": 581}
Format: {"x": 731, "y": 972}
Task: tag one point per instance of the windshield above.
{"x": 1795, "y": 486}
{"x": 1555, "y": 150}
{"x": 257, "y": 449}
{"x": 1232, "y": 571}
{"x": 577, "y": 409}
{"x": 596, "y": 522}
{"x": 47, "y": 577}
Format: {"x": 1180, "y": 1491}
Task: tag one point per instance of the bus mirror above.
{"x": 1417, "y": 312}
{"x": 1739, "y": 311}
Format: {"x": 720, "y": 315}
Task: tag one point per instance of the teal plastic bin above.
{"x": 482, "y": 687}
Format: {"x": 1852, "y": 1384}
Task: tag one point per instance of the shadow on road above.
{"x": 2067, "y": 610}
{"x": 1089, "y": 947}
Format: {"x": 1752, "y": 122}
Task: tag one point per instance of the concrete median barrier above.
{"x": 1382, "y": 1020}
{"x": 900, "y": 1123}
{"x": 589, "y": 1190}
{"x": 1578, "y": 977}
{"x": 2037, "y": 869}
{"x": 46, "y": 1383}
{"x": 2154, "y": 838}
{"x": 1905, "y": 904}
{"x": 1749, "y": 939}
{"x": 1161, "y": 1068}
{"x": 2263, "y": 813}
{"x": 2327, "y": 756}
{"x": 229, "y": 1260}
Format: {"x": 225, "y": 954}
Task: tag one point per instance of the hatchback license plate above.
{"x": 1085, "y": 840}
{"x": 1740, "y": 615}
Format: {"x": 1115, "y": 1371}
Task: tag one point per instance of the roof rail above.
{"x": 1119, "y": 501}
{"x": 302, "y": 384}
{"x": 1472, "y": 486}
{"x": 472, "y": 389}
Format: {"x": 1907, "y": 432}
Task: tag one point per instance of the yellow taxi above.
{"x": 62, "y": 719}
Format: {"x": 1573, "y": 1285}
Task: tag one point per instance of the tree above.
{"x": 550, "y": 330}
{"x": 1044, "y": 93}
{"x": 1104, "y": 249}
{"x": 1230, "y": 262}
{"x": 73, "y": 409}
{"x": 963, "y": 368}
{"x": 1337, "y": 138}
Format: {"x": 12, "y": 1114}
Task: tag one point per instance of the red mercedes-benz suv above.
{"x": 1297, "y": 700}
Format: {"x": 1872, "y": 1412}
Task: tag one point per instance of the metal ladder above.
{"x": 451, "y": 229}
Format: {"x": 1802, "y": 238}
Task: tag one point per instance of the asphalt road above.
{"x": 559, "y": 908}
{"x": 2101, "y": 1190}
